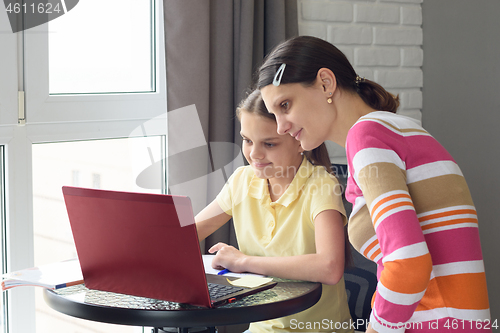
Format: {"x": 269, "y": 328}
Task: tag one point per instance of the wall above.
{"x": 382, "y": 40}
{"x": 462, "y": 107}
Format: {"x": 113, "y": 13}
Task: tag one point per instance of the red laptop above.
{"x": 144, "y": 245}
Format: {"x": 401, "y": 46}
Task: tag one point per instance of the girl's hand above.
{"x": 227, "y": 257}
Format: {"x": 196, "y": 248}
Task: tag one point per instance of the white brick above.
{"x": 411, "y": 15}
{"x": 398, "y": 36}
{"x": 313, "y": 29}
{"x": 412, "y": 57}
{"x": 377, "y": 56}
{"x": 365, "y": 72}
{"x": 350, "y": 34}
{"x": 401, "y": 78}
{"x": 381, "y": 38}
{"x": 376, "y": 13}
{"x": 337, "y": 11}
{"x": 411, "y": 99}
{"x": 347, "y": 51}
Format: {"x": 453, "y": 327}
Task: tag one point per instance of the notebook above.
{"x": 143, "y": 245}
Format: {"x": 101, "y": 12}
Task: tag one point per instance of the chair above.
{"x": 360, "y": 280}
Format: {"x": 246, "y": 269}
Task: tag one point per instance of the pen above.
{"x": 224, "y": 271}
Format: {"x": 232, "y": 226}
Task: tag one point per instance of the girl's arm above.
{"x": 325, "y": 266}
{"x": 210, "y": 219}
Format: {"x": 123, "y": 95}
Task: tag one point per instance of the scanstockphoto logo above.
{"x": 26, "y": 14}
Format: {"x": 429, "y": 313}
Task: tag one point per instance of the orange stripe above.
{"x": 397, "y": 277}
{"x": 464, "y": 291}
{"x": 432, "y": 298}
{"x": 446, "y": 214}
{"x": 371, "y": 246}
{"x": 375, "y": 254}
{"x": 446, "y": 223}
{"x": 388, "y": 208}
{"x": 389, "y": 198}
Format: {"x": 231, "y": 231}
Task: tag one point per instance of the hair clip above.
{"x": 279, "y": 75}
{"x": 359, "y": 79}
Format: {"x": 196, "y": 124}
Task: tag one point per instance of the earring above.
{"x": 329, "y": 100}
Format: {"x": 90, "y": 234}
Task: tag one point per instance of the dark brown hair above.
{"x": 255, "y": 104}
{"x": 304, "y": 56}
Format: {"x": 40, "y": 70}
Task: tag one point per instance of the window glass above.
{"x": 3, "y": 301}
{"x": 102, "y": 47}
{"x": 111, "y": 164}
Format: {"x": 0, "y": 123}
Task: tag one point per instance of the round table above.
{"x": 286, "y": 298}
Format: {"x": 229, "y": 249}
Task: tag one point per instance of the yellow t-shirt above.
{"x": 286, "y": 228}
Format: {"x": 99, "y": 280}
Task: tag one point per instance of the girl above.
{"x": 288, "y": 217}
{"x": 412, "y": 211}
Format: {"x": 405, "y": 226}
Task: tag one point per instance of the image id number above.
{"x": 40, "y": 8}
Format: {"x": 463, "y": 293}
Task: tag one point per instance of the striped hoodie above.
{"x": 414, "y": 216}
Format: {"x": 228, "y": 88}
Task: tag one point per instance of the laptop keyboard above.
{"x": 221, "y": 290}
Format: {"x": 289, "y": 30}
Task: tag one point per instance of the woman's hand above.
{"x": 227, "y": 257}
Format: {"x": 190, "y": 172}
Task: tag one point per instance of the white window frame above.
{"x": 24, "y": 60}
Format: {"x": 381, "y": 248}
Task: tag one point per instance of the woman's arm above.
{"x": 210, "y": 219}
{"x": 325, "y": 266}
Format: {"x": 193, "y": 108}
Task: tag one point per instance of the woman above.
{"x": 412, "y": 211}
{"x": 289, "y": 220}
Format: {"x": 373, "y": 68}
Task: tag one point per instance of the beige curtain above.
{"x": 213, "y": 48}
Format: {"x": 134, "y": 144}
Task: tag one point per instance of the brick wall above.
{"x": 382, "y": 39}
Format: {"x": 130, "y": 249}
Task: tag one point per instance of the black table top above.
{"x": 286, "y": 298}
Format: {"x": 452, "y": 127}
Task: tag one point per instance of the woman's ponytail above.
{"x": 376, "y": 96}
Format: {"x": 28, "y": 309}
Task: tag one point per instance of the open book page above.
{"x": 52, "y": 276}
{"x": 207, "y": 262}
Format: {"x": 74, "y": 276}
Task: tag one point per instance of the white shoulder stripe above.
{"x": 368, "y": 156}
{"x": 406, "y": 252}
{"x": 403, "y": 129}
{"x": 398, "y": 298}
{"x": 431, "y": 170}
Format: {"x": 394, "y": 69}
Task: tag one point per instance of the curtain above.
{"x": 212, "y": 49}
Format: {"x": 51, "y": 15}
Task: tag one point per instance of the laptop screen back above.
{"x": 137, "y": 244}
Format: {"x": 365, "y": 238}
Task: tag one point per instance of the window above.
{"x": 71, "y": 126}
{"x": 122, "y": 45}
{"x": 115, "y": 164}
{"x": 3, "y": 301}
